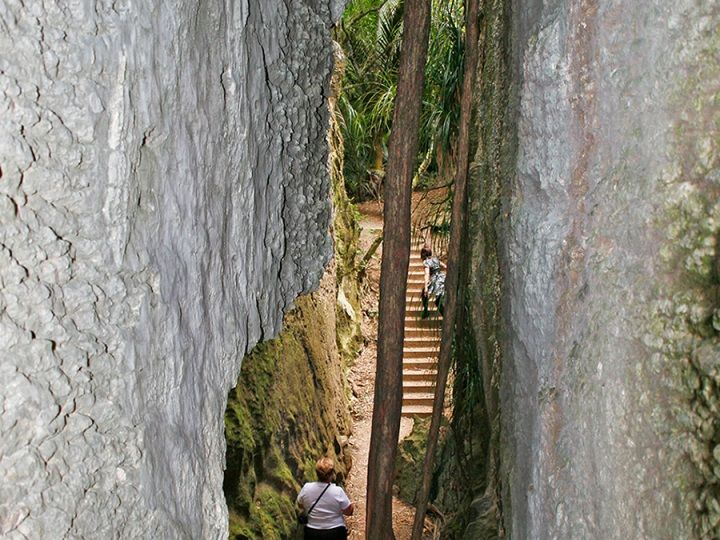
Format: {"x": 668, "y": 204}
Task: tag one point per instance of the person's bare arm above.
{"x": 427, "y": 279}
{"x": 349, "y": 510}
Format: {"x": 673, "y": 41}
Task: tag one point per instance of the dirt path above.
{"x": 362, "y": 382}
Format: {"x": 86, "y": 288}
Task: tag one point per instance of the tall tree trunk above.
{"x": 393, "y": 271}
{"x": 457, "y": 225}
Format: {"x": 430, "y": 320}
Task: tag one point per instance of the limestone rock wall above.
{"x": 290, "y": 406}
{"x": 595, "y": 228}
{"x": 164, "y": 196}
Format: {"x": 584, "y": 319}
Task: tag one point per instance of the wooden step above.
{"x": 416, "y": 410}
{"x": 421, "y": 339}
{"x": 416, "y": 312}
{"x": 419, "y": 352}
{"x": 431, "y": 342}
{"x": 422, "y": 331}
{"x": 419, "y": 330}
{"x": 418, "y": 387}
{"x": 417, "y": 377}
{"x": 411, "y": 321}
{"x": 427, "y": 326}
{"x": 419, "y": 374}
{"x": 418, "y": 323}
{"x": 419, "y": 363}
{"x": 419, "y": 399}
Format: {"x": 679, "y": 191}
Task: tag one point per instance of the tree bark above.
{"x": 457, "y": 225}
{"x": 379, "y": 154}
{"x": 402, "y": 153}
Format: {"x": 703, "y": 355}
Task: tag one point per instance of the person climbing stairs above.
{"x": 422, "y": 342}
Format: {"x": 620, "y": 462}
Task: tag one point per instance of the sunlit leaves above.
{"x": 370, "y": 34}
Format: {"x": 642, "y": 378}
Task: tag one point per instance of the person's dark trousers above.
{"x": 425, "y": 301}
{"x": 338, "y": 533}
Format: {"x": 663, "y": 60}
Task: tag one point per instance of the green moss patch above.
{"x": 685, "y": 328}
{"x": 409, "y": 461}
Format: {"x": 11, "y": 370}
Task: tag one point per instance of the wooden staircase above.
{"x": 422, "y": 342}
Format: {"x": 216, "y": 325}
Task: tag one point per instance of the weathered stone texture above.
{"x": 163, "y": 198}
{"x": 291, "y": 403}
{"x": 612, "y": 226}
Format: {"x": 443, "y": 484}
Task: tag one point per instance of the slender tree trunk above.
{"x": 379, "y": 154}
{"x": 393, "y": 271}
{"x": 377, "y": 174}
{"x": 451, "y": 287}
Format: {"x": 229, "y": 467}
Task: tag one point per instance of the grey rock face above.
{"x": 164, "y": 197}
{"x": 609, "y": 251}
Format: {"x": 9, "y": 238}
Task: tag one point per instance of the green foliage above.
{"x": 443, "y": 87}
{"x": 370, "y": 34}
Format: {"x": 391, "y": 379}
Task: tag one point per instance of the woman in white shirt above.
{"x": 324, "y": 503}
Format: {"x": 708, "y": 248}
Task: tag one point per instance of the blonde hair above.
{"x": 325, "y": 469}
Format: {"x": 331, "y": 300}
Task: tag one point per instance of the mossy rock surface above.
{"x": 469, "y": 455}
{"x": 409, "y": 463}
{"x": 289, "y": 409}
